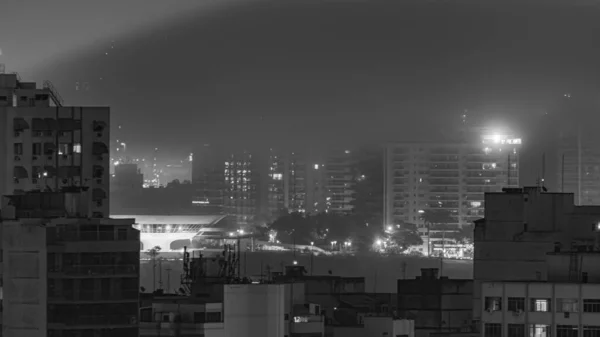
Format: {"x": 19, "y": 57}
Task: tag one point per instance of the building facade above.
{"x": 436, "y": 304}
{"x": 449, "y": 176}
{"x": 65, "y": 274}
{"x": 242, "y": 310}
{"x": 519, "y": 228}
{"x": 48, "y": 146}
{"x": 339, "y": 174}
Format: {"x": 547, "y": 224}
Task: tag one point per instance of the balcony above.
{"x": 184, "y": 328}
{"x": 94, "y": 296}
{"x": 97, "y": 270}
{"x": 98, "y": 320}
{"x": 111, "y": 235}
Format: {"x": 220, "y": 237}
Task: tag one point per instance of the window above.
{"x": 591, "y": 305}
{"x": 566, "y": 330}
{"x": 36, "y": 149}
{"x": 516, "y": 330}
{"x": 199, "y": 317}
{"x": 516, "y": 304}
{"x": 591, "y": 331}
{"x": 493, "y": 329}
{"x": 64, "y": 149}
{"x": 76, "y": 148}
{"x": 18, "y": 149}
{"x": 493, "y": 303}
{"x": 540, "y": 305}
{"x": 567, "y": 305}
{"x": 539, "y": 330}
{"x": 213, "y": 317}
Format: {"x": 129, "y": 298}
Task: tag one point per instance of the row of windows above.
{"x": 539, "y": 330}
{"x": 542, "y": 304}
{"x": 38, "y": 149}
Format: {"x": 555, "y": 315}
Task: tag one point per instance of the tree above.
{"x": 405, "y": 236}
{"x": 174, "y": 183}
{"x": 153, "y": 253}
{"x": 293, "y": 228}
{"x": 440, "y": 218}
{"x": 463, "y": 234}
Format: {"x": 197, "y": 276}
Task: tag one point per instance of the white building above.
{"x": 46, "y": 147}
{"x": 64, "y": 273}
{"x": 540, "y": 309}
{"x": 269, "y": 310}
{"x": 420, "y": 176}
{"x": 165, "y": 230}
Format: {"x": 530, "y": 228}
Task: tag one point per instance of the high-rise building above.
{"x": 579, "y": 173}
{"x": 208, "y": 175}
{"x": 287, "y": 177}
{"x": 452, "y": 176}
{"x": 243, "y": 187}
{"x": 47, "y": 146}
{"x": 65, "y": 273}
{"x": 339, "y": 171}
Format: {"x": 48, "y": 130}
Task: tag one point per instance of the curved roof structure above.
{"x": 162, "y": 230}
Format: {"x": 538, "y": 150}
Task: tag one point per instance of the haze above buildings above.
{"x": 359, "y": 71}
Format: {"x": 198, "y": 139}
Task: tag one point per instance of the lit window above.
{"x": 316, "y": 166}
{"x": 540, "y": 304}
{"x": 76, "y": 148}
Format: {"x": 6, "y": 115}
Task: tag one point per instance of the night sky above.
{"x": 304, "y": 72}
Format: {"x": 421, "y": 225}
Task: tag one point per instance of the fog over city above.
{"x": 299, "y": 168}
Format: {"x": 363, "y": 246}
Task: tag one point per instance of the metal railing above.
{"x": 75, "y": 270}
{"x": 94, "y": 295}
{"x": 54, "y": 95}
{"x": 83, "y": 320}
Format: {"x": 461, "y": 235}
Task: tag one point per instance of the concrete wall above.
{"x": 255, "y": 309}
{"x": 24, "y": 279}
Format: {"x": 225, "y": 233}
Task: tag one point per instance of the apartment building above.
{"x": 451, "y": 176}
{"x": 339, "y": 174}
{"x": 436, "y": 304}
{"x": 565, "y": 303}
{"x": 47, "y": 146}
{"x": 520, "y": 226}
{"x": 64, "y": 273}
{"x": 237, "y": 310}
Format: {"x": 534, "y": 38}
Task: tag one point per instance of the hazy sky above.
{"x": 304, "y": 71}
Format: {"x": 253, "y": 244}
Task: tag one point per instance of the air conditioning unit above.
{"x": 49, "y": 157}
{"x": 17, "y": 158}
{"x": 567, "y": 314}
{"x": 65, "y": 156}
{"x": 34, "y": 180}
{"x": 98, "y": 181}
{"x": 17, "y": 133}
{"x": 490, "y": 310}
{"x": 35, "y": 157}
{"x": 99, "y": 134}
{"x": 65, "y": 181}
